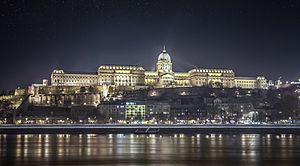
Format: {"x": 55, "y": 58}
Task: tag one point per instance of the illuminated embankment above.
{"x": 150, "y": 129}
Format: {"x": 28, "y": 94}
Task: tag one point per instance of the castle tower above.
{"x": 164, "y": 64}
{"x": 164, "y": 69}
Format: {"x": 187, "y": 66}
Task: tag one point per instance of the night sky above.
{"x": 250, "y": 37}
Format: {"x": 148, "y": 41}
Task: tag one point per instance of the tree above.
{"x": 41, "y": 91}
{"x": 289, "y": 105}
{"x": 91, "y": 89}
{"x": 272, "y": 96}
{"x": 3, "y": 93}
{"x": 82, "y": 89}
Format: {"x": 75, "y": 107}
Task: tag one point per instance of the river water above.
{"x": 119, "y": 149}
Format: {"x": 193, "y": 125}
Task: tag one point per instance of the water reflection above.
{"x": 179, "y": 149}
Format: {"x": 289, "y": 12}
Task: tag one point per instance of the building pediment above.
{"x": 167, "y": 75}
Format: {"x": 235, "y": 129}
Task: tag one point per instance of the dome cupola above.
{"x": 164, "y": 64}
{"x": 164, "y": 56}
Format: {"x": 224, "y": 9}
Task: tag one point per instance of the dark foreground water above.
{"x": 90, "y": 149}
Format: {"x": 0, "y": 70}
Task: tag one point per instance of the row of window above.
{"x": 245, "y": 82}
{"x": 213, "y": 70}
{"x": 74, "y": 81}
{"x": 121, "y": 67}
{"x": 74, "y": 77}
{"x": 246, "y": 85}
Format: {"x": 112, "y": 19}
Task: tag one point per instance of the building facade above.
{"x": 259, "y": 82}
{"x": 162, "y": 77}
{"x": 61, "y": 78}
{"x": 121, "y": 75}
{"x": 134, "y": 112}
{"x": 212, "y": 77}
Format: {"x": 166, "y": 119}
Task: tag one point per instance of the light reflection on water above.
{"x": 179, "y": 149}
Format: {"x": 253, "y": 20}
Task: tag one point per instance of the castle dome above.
{"x": 164, "y": 56}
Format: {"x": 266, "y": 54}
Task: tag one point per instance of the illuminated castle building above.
{"x": 162, "y": 77}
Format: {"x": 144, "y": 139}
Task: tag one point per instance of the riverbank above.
{"x": 149, "y": 129}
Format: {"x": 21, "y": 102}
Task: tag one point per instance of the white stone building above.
{"x": 163, "y": 76}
